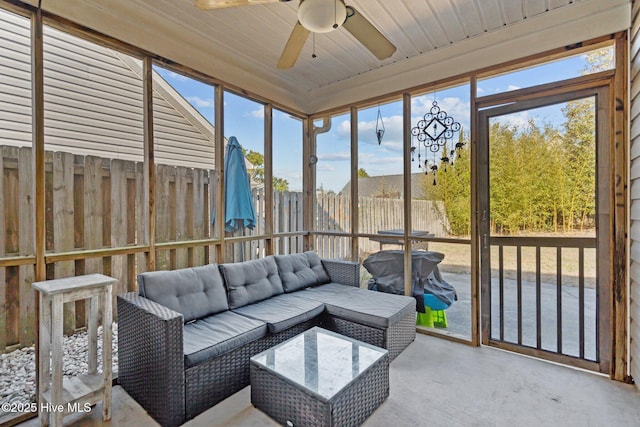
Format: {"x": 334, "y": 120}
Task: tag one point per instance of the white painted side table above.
{"x": 58, "y": 398}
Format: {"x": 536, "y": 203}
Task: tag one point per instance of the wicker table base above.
{"x": 320, "y": 378}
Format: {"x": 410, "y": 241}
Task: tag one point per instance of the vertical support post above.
{"x": 475, "y": 233}
{"x": 619, "y": 243}
{"x": 355, "y": 225}
{"x": 268, "y": 180}
{"x": 37, "y": 106}
{"x": 605, "y": 226}
{"x": 106, "y": 351}
{"x": 559, "y": 299}
{"x": 218, "y": 226}
{"x": 149, "y": 164}
{"x": 406, "y": 173}
{"x": 581, "y": 307}
{"x": 539, "y": 299}
{"x": 501, "y": 288}
{"x": 480, "y": 238}
{"x": 92, "y": 332}
{"x": 519, "y": 307}
{"x": 308, "y": 181}
{"x": 37, "y": 91}
{"x": 43, "y": 353}
{"x": 56, "y": 356}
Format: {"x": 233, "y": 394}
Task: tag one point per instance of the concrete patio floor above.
{"x": 440, "y": 383}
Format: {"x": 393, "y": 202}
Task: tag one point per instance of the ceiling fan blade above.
{"x": 219, "y": 4}
{"x": 293, "y": 47}
{"x": 368, "y": 35}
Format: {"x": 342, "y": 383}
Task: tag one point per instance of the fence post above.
{"x": 63, "y": 225}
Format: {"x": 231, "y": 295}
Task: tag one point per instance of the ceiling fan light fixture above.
{"x": 322, "y": 16}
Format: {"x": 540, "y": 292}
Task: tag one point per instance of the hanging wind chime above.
{"x": 379, "y": 127}
{"x": 434, "y": 131}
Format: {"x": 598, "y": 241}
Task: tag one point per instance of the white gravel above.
{"x": 18, "y": 368}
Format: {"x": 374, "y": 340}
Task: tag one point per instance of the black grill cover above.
{"x": 387, "y": 269}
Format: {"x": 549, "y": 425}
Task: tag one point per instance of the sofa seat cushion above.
{"x": 301, "y": 270}
{"x": 363, "y": 306}
{"x": 193, "y": 292}
{"x": 283, "y": 311}
{"x": 215, "y": 335}
{"x": 251, "y": 281}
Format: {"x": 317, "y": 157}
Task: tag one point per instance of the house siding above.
{"x": 634, "y": 175}
{"x": 94, "y": 102}
{"x": 15, "y": 80}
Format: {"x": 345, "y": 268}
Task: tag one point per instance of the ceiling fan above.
{"x": 319, "y": 16}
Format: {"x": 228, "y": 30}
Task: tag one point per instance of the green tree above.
{"x": 542, "y": 178}
{"x": 362, "y": 173}
{"x": 257, "y": 172}
{"x": 580, "y": 163}
{"x": 577, "y": 200}
{"x": 522, "y": 163}
{"x": 280, "y": 184}
{"x": 453, "y": 190}
{"x": 257, "y": 160}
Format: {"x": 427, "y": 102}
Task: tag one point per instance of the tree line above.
{"x": 542, "y": 177}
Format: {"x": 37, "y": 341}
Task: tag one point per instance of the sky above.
{"x": 244, "y": 119}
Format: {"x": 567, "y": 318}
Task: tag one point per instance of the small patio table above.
{"x": 58, "y": 396}
{"x": 320, "y": 378}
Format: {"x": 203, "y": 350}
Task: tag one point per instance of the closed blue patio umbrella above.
{"x": 239, "y": 210}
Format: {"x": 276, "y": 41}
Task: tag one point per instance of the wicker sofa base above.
{"x": 395, "y": 338}
{"x": 210, "y": 382}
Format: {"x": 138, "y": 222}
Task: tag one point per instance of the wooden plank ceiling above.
{"x": 258, "y": 33}
{"x": 241, "y": 45}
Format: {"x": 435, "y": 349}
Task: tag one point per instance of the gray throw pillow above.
{"x": 194, "y": 292}
{"x": 251, "y": 281}
{"x": 299, "y": 271}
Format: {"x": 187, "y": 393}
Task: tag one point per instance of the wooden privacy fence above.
{"x": 91, "y": 204}
{"x": 96, "y": 222}
{"x": 17, "y": 299}
{"x": 183, "y": 212}
{"x": 333, "y": 215}
{"x": 287, "y": 218}
{"x": 287, "y": 227}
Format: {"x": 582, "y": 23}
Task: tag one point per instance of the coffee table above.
{"x": 320, "y": 378}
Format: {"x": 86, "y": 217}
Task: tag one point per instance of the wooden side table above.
{"x": 58, "y": 398}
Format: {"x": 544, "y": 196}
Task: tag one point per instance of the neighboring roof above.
{"x": 387, "y": 185}
{"x": 94, "y": 102}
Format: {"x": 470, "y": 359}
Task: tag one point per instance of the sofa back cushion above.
{"x": 299, "y": 271}
{"x": 194, "y": 292}
{"x": 251, "y": 281}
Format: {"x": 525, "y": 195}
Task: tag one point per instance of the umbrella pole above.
{"x": 235, "y": 249}
{"x": 239, "y": 248}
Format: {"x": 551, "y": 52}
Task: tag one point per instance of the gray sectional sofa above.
{"x": 185, "y": 339}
